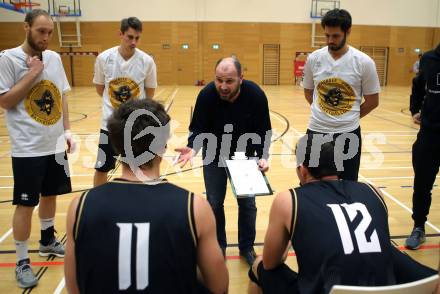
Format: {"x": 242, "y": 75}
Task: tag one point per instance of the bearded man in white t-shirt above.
{"x": 32, "y": 90}
{"x": 121, "y": 73}
{"x": 336, "y": 78}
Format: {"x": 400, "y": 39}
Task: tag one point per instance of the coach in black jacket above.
{"x": 425, "y": 110}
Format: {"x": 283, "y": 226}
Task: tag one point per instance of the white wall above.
{"x": 394, "y": 12}
{"x": 424, "y": 13}
{"x": 438, "y": 15}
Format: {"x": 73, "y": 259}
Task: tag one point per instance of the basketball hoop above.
{"x": 63, "y": 10}
{"x": 25, "y": 5}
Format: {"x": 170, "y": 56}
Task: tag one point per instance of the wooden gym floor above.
{"x": 388, "y": 134}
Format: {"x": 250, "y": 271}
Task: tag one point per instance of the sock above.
{"x": 46, "y": 223}
{"x": 47, "y": 233}
{"x": 21, "y": 247}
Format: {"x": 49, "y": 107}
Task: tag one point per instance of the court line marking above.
{"x": 386, "y": 167}
{"x": 82, "y": 186}
{"x": 6, "y": 235}
{"x": 413, "y": 132}
{"x": 299, "y": 134}
{"x": 396, "y": 135}
{"x": 230, "y": 257}
{"x": 60, "y": 286}
{"x": 72, "y": 175}
{"x": 9, "y": 232}
{"x": 158, "y": 94}
{"x": 167, "y": 108}
{"x": 395, "y": 112}
{"x": 284, "y": 143}
{"x": 400, "y": 247}
{"x": 393, "y": 121}
{"x": 393, "y": 178}
{"x": 435, "y": 228}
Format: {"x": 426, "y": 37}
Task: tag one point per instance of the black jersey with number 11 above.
{"x": 136, "y": 238}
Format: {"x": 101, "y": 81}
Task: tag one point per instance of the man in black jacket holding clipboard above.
{"x": 231, "y": 114}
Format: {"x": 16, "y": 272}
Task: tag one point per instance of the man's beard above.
{"x": 340, "y": 46}
{"x": 33, "y": 44}
{"x": 230, "y": 95}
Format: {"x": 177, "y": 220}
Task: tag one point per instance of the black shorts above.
{"x": 106, "y": 159}
{"x": 352, "y": 165}
{"x": 42, "y": 175}
{"x": 278, "y": 280}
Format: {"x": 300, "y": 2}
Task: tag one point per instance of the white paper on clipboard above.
{"x": 246, "y": 178}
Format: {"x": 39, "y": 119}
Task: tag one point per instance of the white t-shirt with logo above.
{"x": 123, "y": 79}
{"x": 35, "y": 124}
{"x": 339, "y": 86}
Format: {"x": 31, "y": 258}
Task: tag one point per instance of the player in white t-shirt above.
{"x": 32, "y": 90}
{"x": 336, "y": 77}
{"x": 121, "y": 73}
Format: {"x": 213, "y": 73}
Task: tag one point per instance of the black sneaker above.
{"x": 416, "y": 239}
{"x": 249, "y": 256}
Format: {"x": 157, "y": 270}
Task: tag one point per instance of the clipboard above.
{"x": 245, "y": 178}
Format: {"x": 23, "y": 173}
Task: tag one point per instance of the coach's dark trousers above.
{"x": 215, "y": 182}
{"x": 426, "y": 162}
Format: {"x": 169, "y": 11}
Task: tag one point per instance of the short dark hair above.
{"x": 337, "y": 18}
{"x": 326, "y": 165}
{"x": 131, "y": 22}
{"x": 237, "y": 63}
{"x": 154, "y": 142}
{"x": 33, "y": 14}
